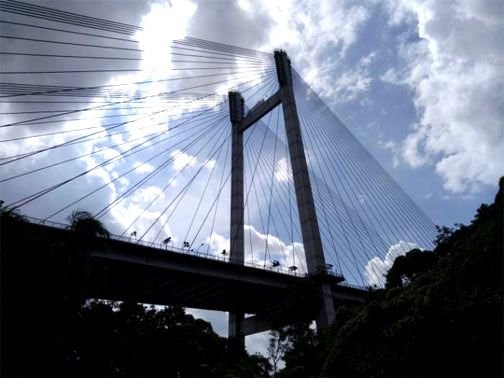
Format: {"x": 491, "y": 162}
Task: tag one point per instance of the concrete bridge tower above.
{"x": 312, "y": 242}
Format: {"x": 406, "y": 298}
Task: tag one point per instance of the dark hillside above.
{"x": 441, "y": 313}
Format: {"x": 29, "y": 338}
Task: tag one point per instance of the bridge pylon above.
{"x": 314, "y": 254}
{"x": 237, "y": 249}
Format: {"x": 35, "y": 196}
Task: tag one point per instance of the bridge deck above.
{"x": 121, "y": 270}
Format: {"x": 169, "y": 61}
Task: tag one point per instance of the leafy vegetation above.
{"x": 441, "y": 313}
{"x": 49, "y": 329}
{"x": 83, "y": 223}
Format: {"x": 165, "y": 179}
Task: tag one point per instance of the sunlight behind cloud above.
{"x": 164, "y": 23}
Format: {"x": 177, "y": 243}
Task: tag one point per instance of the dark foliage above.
{"x": 49, "y": 329}
{"x": 83, "y": 223}
{"x": 406, "y": 267}
{"x": 441, "y": 313}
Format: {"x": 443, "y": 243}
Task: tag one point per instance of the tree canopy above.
{"x": 441, "y": 313}
{"x": 48, "y": 328}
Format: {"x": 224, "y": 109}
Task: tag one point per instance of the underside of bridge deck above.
{"x": 127, "y": 271}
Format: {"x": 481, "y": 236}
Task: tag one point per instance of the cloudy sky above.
{"x": 419, "y": 83}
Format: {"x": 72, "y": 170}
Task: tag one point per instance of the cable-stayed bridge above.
{"x": 221, "y": 171}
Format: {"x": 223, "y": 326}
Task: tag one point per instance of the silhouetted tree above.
{"x": 440, "y": 315}
{"x": 48, "y": 329}
{"x": 86, "y": 225}
{"x": 406, "y": 267}
{"x": 277, "y": 346}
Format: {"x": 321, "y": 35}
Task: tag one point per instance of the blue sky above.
{"x": 408, "y": 78}
{"x": 386, "y": 115}
{"x": 419, "y": 83}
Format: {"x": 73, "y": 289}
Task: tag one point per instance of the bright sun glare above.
{"x": 164, "y": 23}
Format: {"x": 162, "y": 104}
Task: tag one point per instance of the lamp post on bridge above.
{"x": 312, "y": 242}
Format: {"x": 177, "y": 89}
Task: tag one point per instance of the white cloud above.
{"x": 350, "y": 85}
{"x": 376, "y": 268}
{"x": 182, "y": 159}
{"x": 147, "y": 194}
{"x": 298, "y": 24}
{"x": 133, "y": 208}
{"x": 391, "y": 76}
{"x": 258, "y": 343}
{"x": 366, "y": 61}
{"x": 210, "y": 164}
{"x": 218, "y": 243}
{"x": 164, "y": 23}
{"x": 456, "y": 73}
{"x": 246, "y": 5}
{"x": 282, "y": 170}
{"x": 143, "y": 167}
{"x": 286, "y": 254}
{"x": 110, "y": 154}
{"x": 411, "y": 148}
{"x": 392, "y": 147}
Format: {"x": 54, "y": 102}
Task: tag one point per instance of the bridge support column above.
{"x": 236, "y": 253}
{"x": 314, "y": 253}
{"x": 315, "y": 260}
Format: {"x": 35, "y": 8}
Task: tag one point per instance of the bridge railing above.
{"x": 188, "y": 251}
{"x": 47, "y": 222}
{"x": 170, "y": 248}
